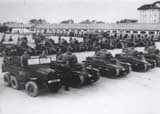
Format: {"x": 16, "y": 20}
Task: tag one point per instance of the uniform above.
{"x": 24, "y": 59}
{"x": 68, "y": 61}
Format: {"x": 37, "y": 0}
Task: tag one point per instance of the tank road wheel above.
{"x": 14, "y": 83}
{"x": 6, "y": 79}
{"x": 32, "y": 88}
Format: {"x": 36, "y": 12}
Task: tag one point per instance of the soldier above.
{"x": 10, "y": 39}
{"x": 68, "y": 60}
{"x": 18, "y": 42}
{"x": 97, "y": 49}
{"x": 3, "y": 39}
{"x": 59, "y": 40}
{"x": 43, "y": 55}
{"x": 130, "y": 51}
{"x": 104, "y": 54}
{"x": 4, "y": 56}
{"x": 151, "y": 50}
{"x": 59, "y": 54}
{"x": 25, "y": 40}
{"x": 24, "y": 59}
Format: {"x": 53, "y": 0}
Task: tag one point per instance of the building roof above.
{"x": 109, "y": 26}
{"x": 17, "y": 25}
{"x": 155, "y": 5}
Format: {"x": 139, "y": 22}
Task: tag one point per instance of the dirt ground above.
{"x": 137, "y": 93}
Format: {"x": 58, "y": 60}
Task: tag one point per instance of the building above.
{"x": 129, "y": 28}
{"x": 80, "y": 29}
{"x": 127, "y": 21}
{"x": 149, "y": 13}
{"x": 19, "y": 28}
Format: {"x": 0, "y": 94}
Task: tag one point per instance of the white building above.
{"x": 149, "y": 13}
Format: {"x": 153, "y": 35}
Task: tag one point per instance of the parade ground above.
{"x": 136, "y": 93}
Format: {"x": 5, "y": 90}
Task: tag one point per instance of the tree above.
{"x": 100, "y": 22}
{"x": 37, "y": 21}
{"x": 127, "y": 21}
{"x": 87, "y": 21}
{"x": 69, "y": 21}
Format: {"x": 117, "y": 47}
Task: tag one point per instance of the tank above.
{"x": 155, "y": 57}
{"x": 108, "y": 65}
{"x": 74, "y": 73}
{"x": 137, "y": 61}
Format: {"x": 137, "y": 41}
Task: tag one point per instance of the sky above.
{"x": 55, "y": 11}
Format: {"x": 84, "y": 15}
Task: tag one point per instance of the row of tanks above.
{"x": 125, "y": 62}
{"x": 140, "y": 61}
{"x": 44, "y": 73}
{"x": 108, "y": 65}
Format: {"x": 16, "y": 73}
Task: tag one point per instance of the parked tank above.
{"x": 108, "y": 65}
{"x": 137, "y": 61}
{"x": 76, "y": 74}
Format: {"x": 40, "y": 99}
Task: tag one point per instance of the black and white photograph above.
{"x": 79, "y": 57}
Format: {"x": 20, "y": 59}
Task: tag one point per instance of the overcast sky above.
{"x": 58, "y": 10}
